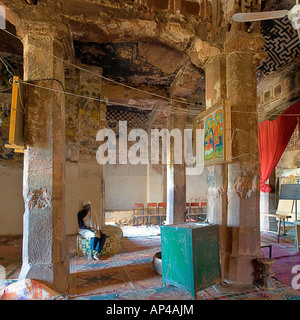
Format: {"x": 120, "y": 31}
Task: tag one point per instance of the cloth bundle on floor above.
{"x": 27, "y": 289}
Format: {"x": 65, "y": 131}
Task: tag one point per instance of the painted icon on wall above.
{"x": 215, "y": 123}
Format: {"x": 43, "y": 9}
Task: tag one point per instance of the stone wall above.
{"x": 11, "y": 163}
{"x": 126, "y": 184}
{"x": 278, "y": 90}
{"x": 83, "y": 173}
{"x": 196, "y": 187}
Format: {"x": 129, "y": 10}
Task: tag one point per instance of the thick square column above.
{"x": 102, "y": 168}
{"x": 176, "y": 175}
{"x": 233, "y": 188}
{"x": 217, "y": 179}
{"x": 44, "y": 248}
{"x": 244, "y": 171}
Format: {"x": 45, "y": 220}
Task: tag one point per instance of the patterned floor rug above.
{"x": 130, "y": 276}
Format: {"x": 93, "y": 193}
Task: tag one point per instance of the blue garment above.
{"x": 97, "y": 243}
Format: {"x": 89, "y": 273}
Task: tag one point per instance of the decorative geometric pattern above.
{"x": 282, "y": 44}
{"x": 83, "y": 246}
{"x": 294, "y": 141}
{"x": 135, "y": 118}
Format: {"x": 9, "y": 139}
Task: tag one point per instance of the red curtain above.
{"x": 273, "y": 137}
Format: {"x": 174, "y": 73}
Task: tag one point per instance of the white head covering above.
{"x": 86, "y": 203}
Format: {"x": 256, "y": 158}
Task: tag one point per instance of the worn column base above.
{"x": 241, "y": 270}
{"x": 55, "y": 276}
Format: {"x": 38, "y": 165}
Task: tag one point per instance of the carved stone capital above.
{"x": 46, "y": 45}
{"x": 42, "y": 29}
{"x": 241, "y": 41}
{"x": 45, "y": 31}
{"x": 200, "y": 51}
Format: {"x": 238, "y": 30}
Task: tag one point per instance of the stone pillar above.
{"x": 164, "y": 177}
{"x": 44, "y": 236}
{"x": 233, "y": 188}
{"x": 243, "y": 232}
{"x": 217, "y": 181}
{"x": 176, "y": 176}
{"x": 102, "y": 167}
{"x": 164, "y": 184}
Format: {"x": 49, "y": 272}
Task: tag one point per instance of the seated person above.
{"x": 89, "y": 228}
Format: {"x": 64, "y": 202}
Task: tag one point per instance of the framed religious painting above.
{"x": 212, "y": 143}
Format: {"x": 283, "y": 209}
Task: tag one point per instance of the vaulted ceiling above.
{"x": 134, "y": 63}
{"x": 153, "y": 60}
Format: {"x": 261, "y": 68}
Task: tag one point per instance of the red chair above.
{"x": 139, "y": 207}
{"x": 187, "y": 207}
{"x": 195, "y": 205}
{"x": 152, "y": 211}
{"x": 203, "y": 210}
{"x": 203, "y": 207}
{"x": 195, "y": 212}
{"x": 162, "y": 210}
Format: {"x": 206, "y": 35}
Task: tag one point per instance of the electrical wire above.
{"x": 123, "y": 104}
{"x": 6, "y": 89}
{"x": 7, "y": 68}
{"x": 96, "y": 99}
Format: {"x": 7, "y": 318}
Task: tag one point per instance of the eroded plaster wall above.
{"x": 125, "y": 185}
{"x": 290, "y": 159}
{"x": 11, "y": 198}
{"x": 196, "y": 187}
{"x": 11, "y": 164}
{"x": 83, "y": 121}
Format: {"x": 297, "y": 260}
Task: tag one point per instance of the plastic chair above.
{"x": 203, "y": 209}
{"x": 152, "y": 206}
{"x": 194, "y": 211}
{"x": 139, "y": 207}
{"x": 162, "y": 210}
{"x": 187, "y": 207}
